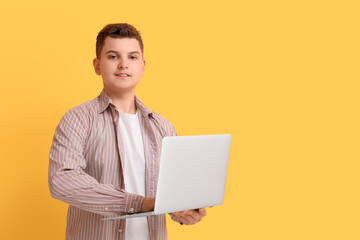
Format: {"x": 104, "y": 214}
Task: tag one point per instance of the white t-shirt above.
{"x": 134, "y": 171}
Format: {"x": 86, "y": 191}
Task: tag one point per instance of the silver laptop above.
{"x": 192, "y": 174}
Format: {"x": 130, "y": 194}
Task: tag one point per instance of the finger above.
{"x": 180, "y": 213}
{"x": 195, "y": 216}
{"x": 188, "y": 219}
{"x": 183, "y": 217}
{"x": 202, "y": 212}
{"x": 185, "y": 213}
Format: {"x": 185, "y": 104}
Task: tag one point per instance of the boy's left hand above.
{"x": 190, "y": 217}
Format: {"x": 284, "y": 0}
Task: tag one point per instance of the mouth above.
{"x": 122, "y": 75}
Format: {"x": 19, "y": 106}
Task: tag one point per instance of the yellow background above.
{"x": 281, "y": 76}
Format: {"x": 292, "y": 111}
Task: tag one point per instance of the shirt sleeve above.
{"x": 69, "y": 182}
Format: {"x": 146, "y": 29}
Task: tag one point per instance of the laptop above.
{"x": 192, "y": 174}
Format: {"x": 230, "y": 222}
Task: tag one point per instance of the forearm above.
{"x": 81, "y": 190}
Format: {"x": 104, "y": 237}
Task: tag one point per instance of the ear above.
{"x": 143, "y": 67}
{"x": 96, "y": 64}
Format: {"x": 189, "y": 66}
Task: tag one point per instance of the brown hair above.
{"x": 117, "y": 30}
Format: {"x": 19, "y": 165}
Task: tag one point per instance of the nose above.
{"x": 123, "y": 64}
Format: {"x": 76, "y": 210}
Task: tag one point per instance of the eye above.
{"x": 113, "y": 57}
{"x": 133, "y": 57}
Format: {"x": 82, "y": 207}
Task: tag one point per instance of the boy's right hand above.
{"x": 148, "y": 205}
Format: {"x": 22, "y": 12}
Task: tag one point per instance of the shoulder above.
{"x": 80, "y": 117}
{"x": 165, "y": 124}
{"x": 83, "y": 111}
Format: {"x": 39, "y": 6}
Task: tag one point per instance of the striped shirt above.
{"x": 86, "y": 164}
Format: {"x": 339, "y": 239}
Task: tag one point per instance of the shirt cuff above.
{"x": 133, "y": 203}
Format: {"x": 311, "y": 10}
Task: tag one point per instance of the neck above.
{"x": 124, "y": 102}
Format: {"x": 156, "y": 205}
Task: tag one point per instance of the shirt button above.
{"x": 106, "y": 209}
{"x": 131, "y": 210}
{"x": 120, "y": 230}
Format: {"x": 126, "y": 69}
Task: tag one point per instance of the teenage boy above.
{"x": 104, "y": 159}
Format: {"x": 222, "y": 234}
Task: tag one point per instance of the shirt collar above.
{"x": 105, "y": 101}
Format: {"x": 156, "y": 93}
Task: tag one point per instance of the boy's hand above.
{"x": 148, "y": 205}
{"x": 190, "y": 217}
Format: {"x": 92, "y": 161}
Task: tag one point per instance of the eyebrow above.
{"x": 113, "y": 51}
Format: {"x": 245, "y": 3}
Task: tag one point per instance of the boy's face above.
{"x": 120, "y": 56}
